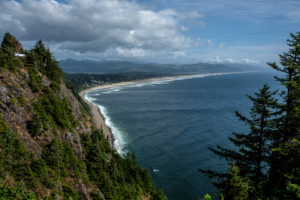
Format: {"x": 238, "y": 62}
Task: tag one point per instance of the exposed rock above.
{"x": 75, "y": 142}
{"x": 17, "y": 44}
{"x": 12, "y": 86}
{"x": 57, "y": 197}
{"x": 82, "y": 191}
{"x": 98, "y": 191}
{"x": 58, "y": 187}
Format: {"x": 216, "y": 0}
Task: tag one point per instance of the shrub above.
{"x": 12, "y": 101}
{"x": 17, "y": 193}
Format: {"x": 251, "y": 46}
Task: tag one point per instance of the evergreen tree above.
{"x": 290, "y": 62}
{"x": 288, "y": 124}
{"x": 254, "y": 148}
{"x": 7, "y": 44}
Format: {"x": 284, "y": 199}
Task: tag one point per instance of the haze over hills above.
{"x": 104, "y": 66}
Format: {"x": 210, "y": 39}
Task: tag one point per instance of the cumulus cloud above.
{"x": 229, "y": 60}
{"x": 192, "y": 15}
{"x": 96, "y": 25}
{"x": 222, "y": 44}
{"x": 201, "y": 23}
{"x": 177, "y": 54}
{"x": 183, "y": 28}
{"x": 200, "y": 42}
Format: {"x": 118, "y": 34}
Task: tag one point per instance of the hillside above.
{"x": 88, "y": 66}
{"x": 50, "y": 147}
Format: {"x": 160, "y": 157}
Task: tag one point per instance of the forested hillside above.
{"x": 49, "y": 146}
{"x": 82, "y": 81}
{"x": 267, "y": 163}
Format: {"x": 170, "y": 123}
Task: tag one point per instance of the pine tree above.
{"x": 288, "y": 124}
{"x": 291, "y": 67}
{"x": 254, "y": 147}
{"x": 7, "y": 43}
{"x": 54, "y": 156}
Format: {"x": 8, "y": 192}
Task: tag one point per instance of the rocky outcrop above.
{"x": 82, "y": 191}
{"x": 17, "y": 44}
{"x": 75, "y": 142}
{"x": 14, "y": 86}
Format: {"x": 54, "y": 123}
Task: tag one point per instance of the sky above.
{"x": 155, "y": 31}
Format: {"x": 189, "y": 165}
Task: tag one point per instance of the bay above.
{"x": 169, "y": 125}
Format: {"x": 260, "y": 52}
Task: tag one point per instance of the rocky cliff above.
{"x": 50, "y": 147}
{"x": 15, "y": 86}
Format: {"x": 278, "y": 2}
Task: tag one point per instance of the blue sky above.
{"x": 163, "y": 31}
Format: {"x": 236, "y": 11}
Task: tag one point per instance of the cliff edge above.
{"x": 50, "y": 147}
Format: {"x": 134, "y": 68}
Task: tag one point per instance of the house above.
{"x": 20, "y": 55}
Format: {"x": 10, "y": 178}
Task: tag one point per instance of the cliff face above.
{"x": 49, "y": 143}
{"x": 13, "y": 87}
{"x": 16, "y": 108}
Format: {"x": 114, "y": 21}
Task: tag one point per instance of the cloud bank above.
{"x": 96, "y": 25}
{"x": 229, "y": 60}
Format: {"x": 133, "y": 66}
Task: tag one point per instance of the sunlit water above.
{"x": 169, "y": 125}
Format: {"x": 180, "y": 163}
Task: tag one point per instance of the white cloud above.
{"x": 201, "y": 23}
{"x": 5, "y": 17}
{"x": 177, "y": 54}
{"x": 200, "y": 42}
{"x": 133, "y": 53}
{"x": 210, "y": 43}
{"x": 183, "y": 28}
{"x": 222, "y": 44}
{"x": 229, "y": 60}
{"x": 192, "y": 15}
{"x": 96, "y": 25}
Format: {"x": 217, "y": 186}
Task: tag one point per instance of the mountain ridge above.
{"x": 89, "y": 66}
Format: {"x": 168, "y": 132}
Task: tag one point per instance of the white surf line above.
{"x": 119, "y": 143}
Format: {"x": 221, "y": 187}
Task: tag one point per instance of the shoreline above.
{"x": 98, "y": 117}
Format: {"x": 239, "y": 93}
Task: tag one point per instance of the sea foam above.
{"x": 119, "y": 142}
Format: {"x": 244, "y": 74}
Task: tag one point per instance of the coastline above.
{"x": 98, "y": 116}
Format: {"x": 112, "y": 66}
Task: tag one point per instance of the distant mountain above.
{"x": 203, "y": 68}
{"x": 88, "y": 66}
{"x": 105, "y": 66}
{"x": 246, "y": 67}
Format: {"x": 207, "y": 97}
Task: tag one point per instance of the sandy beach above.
{"x": 98, "y": 117}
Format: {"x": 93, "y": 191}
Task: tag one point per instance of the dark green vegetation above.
{"x": 266, "y": 166}
{"x": 79, "y": 82}
{"x": 59, "y": 173}
{"x": 88, "y": 66}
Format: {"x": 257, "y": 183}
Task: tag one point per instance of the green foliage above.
{"x": 70, "y": 193}
{"x": 236, "y": 186}
{"x": 117, "y": 177}
{"x": 7, "y": 41}
{"x": 21, "y": 100}
{"x": 7, "y": 56}
{"x": 55, "y": 86}
{"x": 16, "y": 193}
{"x": 12, "y": 101}
{"x": 267, "y": 164}
{"x": 207, "y": 197}
{"x": 254, "y": 148}
{"x": 36, "y": 80}
{"x": 41, "y": 59}
{"x": 51, "y": 110}
{"x": 290, "y": 151}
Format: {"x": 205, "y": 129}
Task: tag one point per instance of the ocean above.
{"x": 170, "y": 124}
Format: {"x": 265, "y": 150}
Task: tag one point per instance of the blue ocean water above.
{"x": 169, "y": 125}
